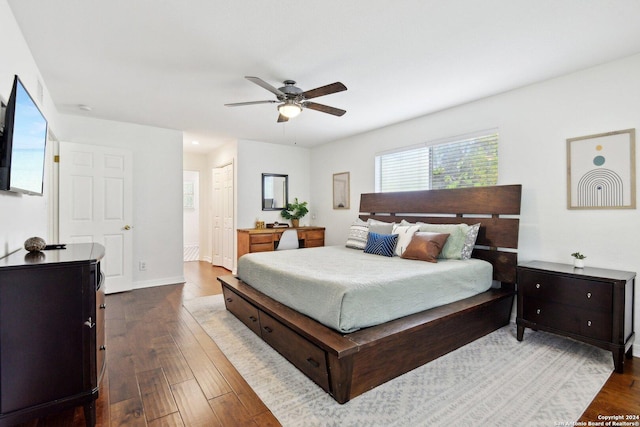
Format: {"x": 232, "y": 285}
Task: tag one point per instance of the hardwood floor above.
{"x": 164, "y": 370}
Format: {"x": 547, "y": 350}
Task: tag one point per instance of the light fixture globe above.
{"x": 289, "y": 109}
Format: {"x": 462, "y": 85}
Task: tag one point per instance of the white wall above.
{"x": 157, "y": 172}
{"x": 157, "y": 191}
{"x": 534, "y": 123}
{"x": 256, "y": 158}
{"x": 23, "y": 216}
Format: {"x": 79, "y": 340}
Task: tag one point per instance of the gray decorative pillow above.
{"x": 380, "y": 227}
{"x": 358, "y": 232}
{"x": 470, "y": 240}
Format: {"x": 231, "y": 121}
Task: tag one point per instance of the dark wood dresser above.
{"x": 52, "y": 352}
{"x": 593, "y": 305}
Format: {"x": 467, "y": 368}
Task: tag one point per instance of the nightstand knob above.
{"x": 537, "y": 285}
{"x": 588, "y": 294}
{"x": 588, "y": 322}
{"x": 538, "y": 311}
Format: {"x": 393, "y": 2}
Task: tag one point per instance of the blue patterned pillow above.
{"x": 381, "y": 244}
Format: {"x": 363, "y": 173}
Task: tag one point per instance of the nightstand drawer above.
{"x": 590, "y": 304}
{"x": 592, "y": 324}
{"x": 588, "y": 294}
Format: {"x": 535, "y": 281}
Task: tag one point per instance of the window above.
{"x": 466, "y": 161}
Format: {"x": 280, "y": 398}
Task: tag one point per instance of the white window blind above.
{"x": 467, "y": 161}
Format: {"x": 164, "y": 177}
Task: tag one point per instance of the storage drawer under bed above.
{"x": 303, "y": 354}
{"x": 307, "y": 357}
{"x": 244, "y": 311}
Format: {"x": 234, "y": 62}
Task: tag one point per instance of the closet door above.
{"x": 223, "y": 213}
{"x": 228, "y": 247}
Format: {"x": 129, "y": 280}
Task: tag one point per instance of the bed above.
{"x": 348, "y": 359}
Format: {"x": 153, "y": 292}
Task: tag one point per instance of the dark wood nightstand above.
{"x": 592, "y": 305}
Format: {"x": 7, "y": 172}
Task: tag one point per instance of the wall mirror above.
{"x": 275, "y": 191}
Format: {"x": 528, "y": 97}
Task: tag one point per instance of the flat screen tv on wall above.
{"x": 23, "y": 144}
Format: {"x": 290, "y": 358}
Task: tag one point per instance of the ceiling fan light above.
{"x": 289, "y": 109}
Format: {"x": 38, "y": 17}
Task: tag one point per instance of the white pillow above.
{"x": 405, "y": 234}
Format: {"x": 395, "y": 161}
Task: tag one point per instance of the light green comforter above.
{"x": 347, "y": 289}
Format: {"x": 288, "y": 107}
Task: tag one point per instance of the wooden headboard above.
{"x": 496, "y": 208}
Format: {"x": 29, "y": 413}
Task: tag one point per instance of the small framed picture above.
{"x": 341, "y": 190}
{"x": 601, "y": 171}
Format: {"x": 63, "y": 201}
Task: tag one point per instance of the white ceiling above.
{"x": 175, "y": 63}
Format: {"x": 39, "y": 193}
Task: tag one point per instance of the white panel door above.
{"x": 96, "y": 206}
{"x": 228, "y": 252}
{"x": 216, "y": 217}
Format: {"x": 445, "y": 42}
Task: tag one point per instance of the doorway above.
{"x": 96, "y": 205}
{"x": 191, "y": 215}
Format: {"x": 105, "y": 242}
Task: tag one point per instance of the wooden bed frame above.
{"x": 347, "y": 365}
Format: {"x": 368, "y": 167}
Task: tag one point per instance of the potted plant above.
{"x": 578, "y": 261}
{"x": 294, "y": 211}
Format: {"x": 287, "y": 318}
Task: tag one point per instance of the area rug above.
{"x": 544, "y": 380}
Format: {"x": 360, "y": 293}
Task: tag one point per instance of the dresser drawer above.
{"x": 575, "y": 320}
{"x": 101, "y": 346}
{"x": 262, "y": 247}
{"x": 245, "y": 312}
{"x": 314, "y": 235}
{"x": 588, "y": 294}
{"x": 261, "y": 238}
{"x": 314, "y": 243}
{"x": 314, "y": 238}
{"x": 306, "y": 356}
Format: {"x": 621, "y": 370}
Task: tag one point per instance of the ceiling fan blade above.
{"x": 324, "y": 108}
{"x": 239, "y": 104}
{"x": 267, "y": 86}
{"x": 282, "y": 118}
{"x": 324, "y": 90}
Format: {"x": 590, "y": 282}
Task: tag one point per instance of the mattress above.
{"x": 347, "y": 289}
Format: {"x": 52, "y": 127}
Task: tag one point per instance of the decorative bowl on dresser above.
{"x": 592, "y": 305}
{"x": 52, "y": 352}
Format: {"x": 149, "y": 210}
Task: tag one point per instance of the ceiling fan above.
{"x": 293, "y": 99}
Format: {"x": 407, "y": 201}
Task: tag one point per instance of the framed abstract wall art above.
{"x": 341, "y": 190}
{"x": 601, "y": 171}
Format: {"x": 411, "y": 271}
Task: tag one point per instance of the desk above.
{"x": 264, "y": 239}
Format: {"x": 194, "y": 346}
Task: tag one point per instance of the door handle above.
{"x": 127, "y": 227}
